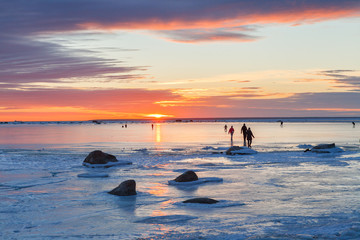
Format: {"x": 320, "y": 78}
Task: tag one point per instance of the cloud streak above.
{"x": 25, "y": 61}
{"x": 30, "y": 17}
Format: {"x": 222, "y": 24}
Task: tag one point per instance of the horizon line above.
{"x": 178, "y": 119}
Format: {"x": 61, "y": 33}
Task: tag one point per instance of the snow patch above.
{"x": 199, "y": 181}
{"x": 166, "y": 219}
{"x": 107, "y": 165}
{"x": 93, "y": 175}
{"x": 304, "y": 146}
{"x": 220, "y": 204}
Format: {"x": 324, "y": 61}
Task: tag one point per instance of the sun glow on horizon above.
{"x": 157, "y": 115}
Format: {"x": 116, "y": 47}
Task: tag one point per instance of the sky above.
{"x": 63, "y": 60}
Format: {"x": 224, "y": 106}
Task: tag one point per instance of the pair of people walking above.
{"x": 247, "y": 134}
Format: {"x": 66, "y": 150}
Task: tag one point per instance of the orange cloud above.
{"x": 231, "y": 21}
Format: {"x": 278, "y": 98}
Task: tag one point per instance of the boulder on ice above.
{"x": 234, "y": 150}
{"x": 201, "y": 200}
{"x": 190, "y": 178}
{"x": 98, "y": 158}
{"x": 126, "y": 188}
{"x": 187, "y": 176}
{"x": 326, "y": 148}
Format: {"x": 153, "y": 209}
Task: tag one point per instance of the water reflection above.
{"x": 158, "y": 132}
{"x": 164, "y": 205}
{"x": 158, "y": 189}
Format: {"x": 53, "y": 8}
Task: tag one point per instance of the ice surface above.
{"x": 279, "y": 193}
{"x": 165, "y": 219}
{"x": 220, "y": 204}
{"x": 93, "y": 175}
{"x": 106, "y": 165}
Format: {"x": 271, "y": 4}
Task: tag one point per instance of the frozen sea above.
{"x": 281, "y": 192}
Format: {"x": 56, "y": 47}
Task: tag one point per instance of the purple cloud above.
{"x": 27, "y": 61}
{"x": 340, "y": 76}
{"x": 27, "y": 17}
{"x": 206, "y": 35}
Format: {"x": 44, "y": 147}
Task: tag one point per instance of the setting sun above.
{"x": 156, "y": 115}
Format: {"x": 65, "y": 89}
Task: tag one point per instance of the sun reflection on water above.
{"x": 158, "y": 189}
{"x": 158, "y": 132}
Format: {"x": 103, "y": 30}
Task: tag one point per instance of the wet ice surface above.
{"x": 268, "y": 195}
{"x": 279, "y": 193}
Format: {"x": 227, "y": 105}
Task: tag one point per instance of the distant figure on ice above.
{"x": 249, "y": 136}
{"x": 152, "y": 126}
{"x": 243, "y": 131}
{"x": 231, "y": 132}
{"x": 353, "y": 124}
{"x": 225, "y": 128}
{"x": 281, "y": 123}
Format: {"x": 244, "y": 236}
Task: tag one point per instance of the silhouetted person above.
{"x": 249, "y": 136}
{"x": 152, "y": 126}
{"x": 353, "y": 124}
{"x": 225, "y": 128}
{"x": 231, "y": 132}
{"x": 243, "y": 131}
{"x": 281, "y": 123}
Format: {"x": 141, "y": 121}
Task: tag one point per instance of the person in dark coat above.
{"x": 243, "y": 131}
{"x": 249, "y": 136}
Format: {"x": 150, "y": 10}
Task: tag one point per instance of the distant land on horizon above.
{"x": 225, "y": 119}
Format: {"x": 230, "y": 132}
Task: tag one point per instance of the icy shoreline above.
{"x": 267, "y": 195}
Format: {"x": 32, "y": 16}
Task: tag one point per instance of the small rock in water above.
{"x": 99, "y": 157}
{"x": 187, "y": 176}
{"x": 324, "y": 146}
{"x": 126, "y": 188}
{"x": 201, "y": 200}
{"x": 240, "y": 150}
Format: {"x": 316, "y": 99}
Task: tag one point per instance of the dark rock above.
{"x": 99, "y": 157}
{"x": 231, "y": 149}
{"x": 236, "y": 150}
{"x": 324, "y": 146}
{"x": 201, "y": 200}
{"x": 126, "y": 188}
{"x": 187, "y": 176}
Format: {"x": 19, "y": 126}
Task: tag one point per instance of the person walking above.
{"x": 243, "y": 131}
{"x": 231, "y": 132}
{"x": 249, "y": 136}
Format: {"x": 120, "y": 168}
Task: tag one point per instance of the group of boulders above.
{"x": 128, "y": 187}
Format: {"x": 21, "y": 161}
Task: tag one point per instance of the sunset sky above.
{"x": 129, "y": 59}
